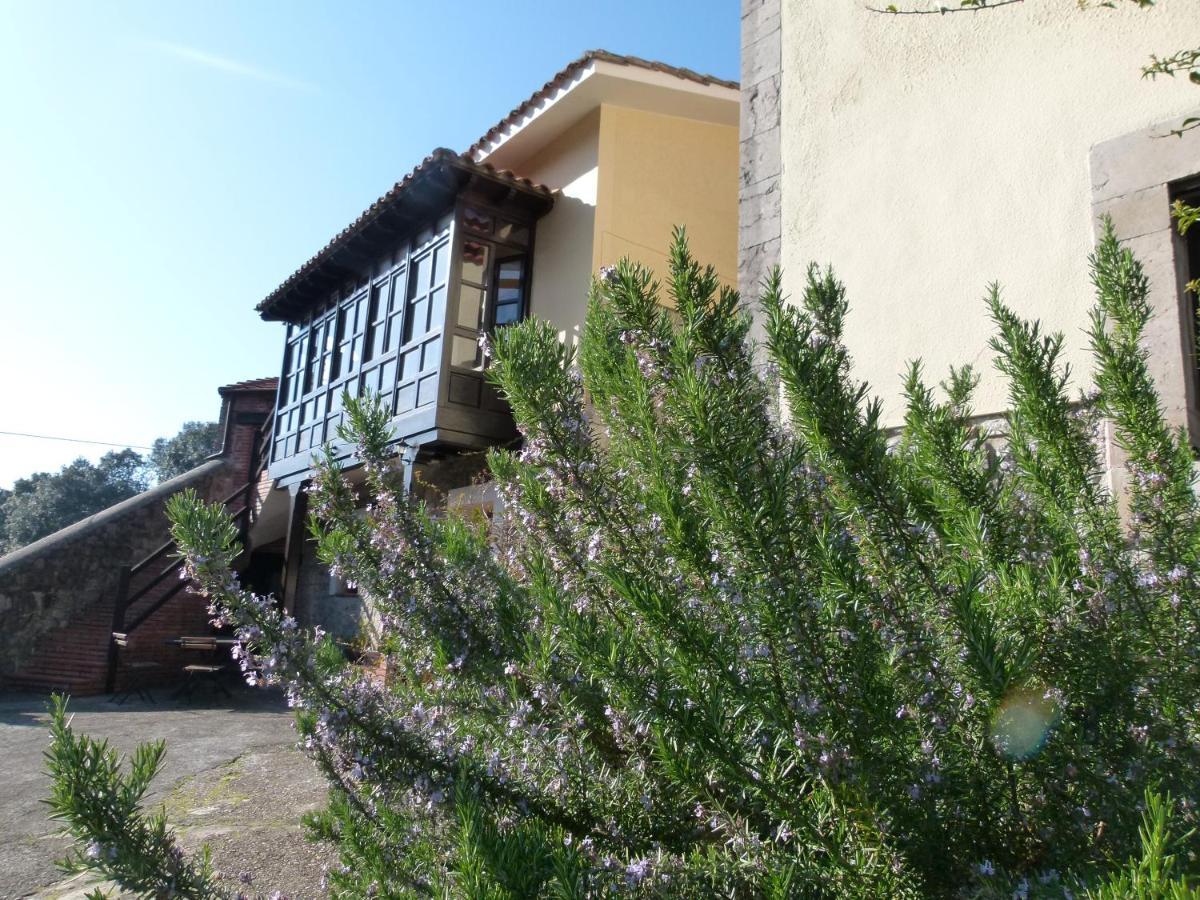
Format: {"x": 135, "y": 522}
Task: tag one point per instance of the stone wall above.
{"x": 759, "y": 205}
{"x": 52, "y": 582}
{"x": 324, "y": 602}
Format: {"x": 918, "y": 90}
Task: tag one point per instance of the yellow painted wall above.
{"x": 622, "y": 179}
{"x": 657, "y": 171}
{"x": 563, "y": 251}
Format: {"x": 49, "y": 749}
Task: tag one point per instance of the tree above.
{"x": 43, "y": 503}
{"x": 706, "y": 652}
{"x": 4, "y": 495}
{"x": 173, "y": 456}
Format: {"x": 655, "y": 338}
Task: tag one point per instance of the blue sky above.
{"x": 164, "y": 165}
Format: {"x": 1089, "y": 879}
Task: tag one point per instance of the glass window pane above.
{"x": 510, "y": 280}
{"x": 387, "y": 375}
{"x": 397, "y": 294}
{"x": 464, "y": 352}
{"x": 470, "y": 307}
{"x": 417, "y": 322}
{"x": 374, "y": 343}
{"x": 360, "y": 311}
{"x": 393, "y": 340}
{"x": 310, "y": 371}
{"x": 336, "y": 367}
{"x": 507, "y": 313}
{"x": 412, "y": 364}
{"x": 512, "y": 232}
{"x": 374, "y": 334}
{"x": 441, "y": 262}
{"x": 474, "y": 261}
{"x": 418, "y": 282}
{"x": 477, "y": 220}
{"x": 437, "y": 307}
{"x": 431, "y": 354}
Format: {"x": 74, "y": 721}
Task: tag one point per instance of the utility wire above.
{"x": 48, "y": 437}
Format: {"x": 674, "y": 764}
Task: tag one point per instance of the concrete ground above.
{"x": 231, "y": 779}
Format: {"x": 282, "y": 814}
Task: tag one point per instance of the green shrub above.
{"x": 723, "y": 644}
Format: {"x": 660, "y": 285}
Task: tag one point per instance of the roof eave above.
{"x": 443, "y": 172}
{"x": 578, "y": 72}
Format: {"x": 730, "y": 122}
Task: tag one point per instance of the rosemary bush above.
{"x": 719, "y": 643}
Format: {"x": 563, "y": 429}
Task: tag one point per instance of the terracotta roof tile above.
{"x": 254, "y": 384}
{"x": 440, "y": 156}
{"x": 569, "y": 72}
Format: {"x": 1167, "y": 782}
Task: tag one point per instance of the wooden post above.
{"x": 118, "y": 626}
{"x": 408, "y": 455}
{"x": 293, "y": 551}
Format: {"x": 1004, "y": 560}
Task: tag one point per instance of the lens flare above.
{"x": 1023, "y": 722}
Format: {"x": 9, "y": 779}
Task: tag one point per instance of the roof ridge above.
{"x": 588, "y": 57}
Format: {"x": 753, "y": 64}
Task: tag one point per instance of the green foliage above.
{"x": 43, "y": 503}
{"x": 1152, "y": 876}
{"x": 730, "y": 636}
{"x": 100, "y": 806}
{"x": 1185, "y": 216}
{"x": 173, "y": 456}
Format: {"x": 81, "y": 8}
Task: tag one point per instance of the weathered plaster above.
{"x": 926, "y": 156}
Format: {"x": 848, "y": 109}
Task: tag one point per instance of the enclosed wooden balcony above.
{"x": 396, "y": 305}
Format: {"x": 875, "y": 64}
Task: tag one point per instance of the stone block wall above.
{"x": 321, "y": 601}
{"x": 760, "y": 186}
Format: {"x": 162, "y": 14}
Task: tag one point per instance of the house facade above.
{"x": 924, "y": 154}
{"x": 598, "y": 164}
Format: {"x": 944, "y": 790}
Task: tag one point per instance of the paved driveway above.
{"x": 231, "y": 779}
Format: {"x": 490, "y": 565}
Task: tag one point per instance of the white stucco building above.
{"x": 926, "y": 155}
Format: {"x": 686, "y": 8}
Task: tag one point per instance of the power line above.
{"x": 50, "y": 437}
